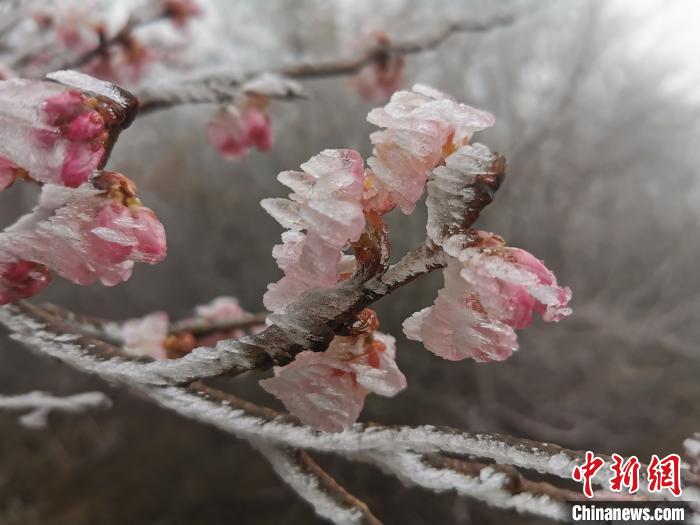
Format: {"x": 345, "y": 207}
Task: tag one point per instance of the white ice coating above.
{"x": 271, "y": 85}
{"x": 89, "y": 84}
{"x": 307, "y": 486}
{"x": 41, "y": 404}
{"x": 21, "y": 125}
{"x": 488, "y": 487}
{"x": 541, "y": 457}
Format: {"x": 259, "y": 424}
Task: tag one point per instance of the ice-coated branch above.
{"x": 222, "y": 89}
{"x": 408, "y": 452}
{"x": 308, "y": 324}
{"x": 40, "y": 404}
{"x": 314, "y": 485}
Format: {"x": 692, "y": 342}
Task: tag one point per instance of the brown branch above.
{"x": 222, "y": 89}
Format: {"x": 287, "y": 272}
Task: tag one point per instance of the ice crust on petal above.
{"x": 84, "y": 236}
{"x": 457, "y": 327}
{"x": 327, "y": 389}
{"x": 512, "y": 283}
{"x": 457, "y": 191}
{"x": 421, "y": 126}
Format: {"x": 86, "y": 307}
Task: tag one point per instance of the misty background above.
{"x": 596, "y": 107}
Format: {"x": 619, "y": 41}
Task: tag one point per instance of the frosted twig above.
{"x": 224, "y": 89}
{"x": 314, "y": 485}
{"x": 41, "y": 404}
{"x": 398, "y": 447}
{"x": 202, "y": 326}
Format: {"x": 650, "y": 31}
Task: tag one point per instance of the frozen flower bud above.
{"x": 60, "y": 134}
{"x": 22, "y": 279}
{"x": 234, "y": 131}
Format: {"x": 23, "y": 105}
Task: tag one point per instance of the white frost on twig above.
{"x": 41, "y": 404}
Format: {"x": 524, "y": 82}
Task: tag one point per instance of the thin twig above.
{"x": 224, "y": 89}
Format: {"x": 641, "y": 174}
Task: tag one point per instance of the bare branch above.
{"x": 223, "y": 89}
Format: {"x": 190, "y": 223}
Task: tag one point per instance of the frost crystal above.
{"x": 422, "y": 127}
{"x": 327, "y": 389}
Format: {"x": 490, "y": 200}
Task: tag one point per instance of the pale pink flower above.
{"x": 513, "y": 283}
{"x": 457, "y": 326}
{"x": 234, "y": 131}
{"x": 125, "y": 64}
{"x": 423, "y": 126}
{"x": 85, "y": 234}
{"x": 327, "y": 389}
{"x": 145, "y": 336}
{"x": 222, "y": 308}
{"x": 489, "y": 291}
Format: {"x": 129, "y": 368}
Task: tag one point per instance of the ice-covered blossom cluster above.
{"x": 88, "y": 225}
{"x": 490, "y": 289}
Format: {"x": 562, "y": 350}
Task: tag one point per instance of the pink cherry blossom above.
{"x": 327, "y": 389}
{"x": 87, "y": 233}
{"x": 422, "y": 127}
{"x": 145, "y": 336}
{"x": 234, "y": 131}
{"x": 126, "y": 64}
{"x": 512, "y": 283}
{"x": 222, "y": 308}
{"x": 457, "y": 326}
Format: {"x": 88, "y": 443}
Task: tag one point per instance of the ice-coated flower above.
{"x": 96, "y": 231}
{"x": 125, "y": 64}
{"x": 457, "y": 326}
{"x": 234, "y": 131}
{"x": 56, "y": 134}
{"x": 380, "y": 79}
{"x": 327, "y": 389}
{"x": 145, "y": 336}
{"x": 22, "y": 279}
{"x": 512, "y": 283}
{"x": 423, "y": 126}
{"x": 490, "y": 290}
{"x": 327, "y": 197}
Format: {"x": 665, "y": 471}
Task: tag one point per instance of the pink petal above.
{"x": 82, "y": 158}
